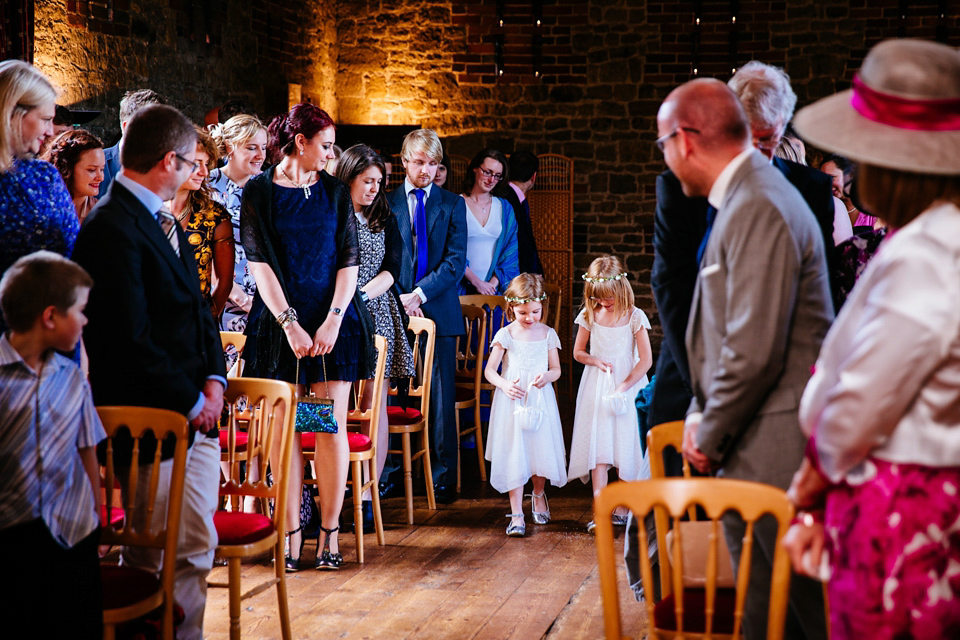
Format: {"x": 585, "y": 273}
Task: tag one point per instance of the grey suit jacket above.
{"x": 761, "y": 309}
{"x": 446, "y": 255}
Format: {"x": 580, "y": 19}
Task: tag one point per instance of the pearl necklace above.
{"x": 305, "y": 185}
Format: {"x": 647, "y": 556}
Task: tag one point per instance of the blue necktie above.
{"x": 420, "y": 231}
{"x": 711, "y": 216}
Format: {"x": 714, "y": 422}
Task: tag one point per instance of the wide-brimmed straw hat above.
{"x": 903, "y": 111}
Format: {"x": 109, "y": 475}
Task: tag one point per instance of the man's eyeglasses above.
{"x": 661, "y": 142}
{"x": 491, "y": 174}
{"x": 192, "y": 163}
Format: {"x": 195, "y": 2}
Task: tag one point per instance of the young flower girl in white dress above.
{"x": 525, "y": 440}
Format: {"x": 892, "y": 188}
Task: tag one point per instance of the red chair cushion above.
{"x": 358, "y": 441}
{"x": 116, "y": 516}
{"x": 125, "y": 586}
{"x": 464, "y": 394}
{"x": 399, "y": 415}
{"x": 694, "y": 611}
{"x": 242, "y": 438}
{"x": 234, "y": 527}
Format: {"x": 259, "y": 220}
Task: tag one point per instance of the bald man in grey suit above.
{"x": 760, "y": 310}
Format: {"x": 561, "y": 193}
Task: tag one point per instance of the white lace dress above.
{"x": 599, "y": 435}
{"x": 515, "y": 454}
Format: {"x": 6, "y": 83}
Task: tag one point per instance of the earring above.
{"x": 301, "y": 151}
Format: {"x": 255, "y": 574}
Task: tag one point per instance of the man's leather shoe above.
{"x": 390, "y": 490}
{"x": 368, "y": 524}
{"x": 445, "y": 494}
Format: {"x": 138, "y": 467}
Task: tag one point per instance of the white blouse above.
{"x": 887, "y": 382}
{"x": 482, "y": 239}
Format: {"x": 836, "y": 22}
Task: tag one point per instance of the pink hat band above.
{"x": 905, "y": 113}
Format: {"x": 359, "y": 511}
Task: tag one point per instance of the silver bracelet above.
{"x": 287, "y": 318}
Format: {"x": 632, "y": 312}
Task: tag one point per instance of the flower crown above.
{"x": 513, "y": 300}
{"x": 599, "y": 279}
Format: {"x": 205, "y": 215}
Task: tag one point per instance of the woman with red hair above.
{"x": 307, "y": 326}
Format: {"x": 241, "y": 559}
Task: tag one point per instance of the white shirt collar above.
{"x": 147, "y": 198}
{"x": 719, "y": 189}
{"x": 408, "y": 187}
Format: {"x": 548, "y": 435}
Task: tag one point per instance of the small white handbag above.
{"x": 529, "y": 411}
{"x": 617, "y": 402}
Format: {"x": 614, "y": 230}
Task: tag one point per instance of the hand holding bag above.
{"x": 616, "y": 402}
{"x": 314, "y": 414}
{"x": 529, "y": 411}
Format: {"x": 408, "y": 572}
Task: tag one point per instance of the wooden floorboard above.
{"x": 454, "y": 574}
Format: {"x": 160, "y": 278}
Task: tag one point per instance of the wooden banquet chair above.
{"x": 699, "y": 613}
{"x": 242, "y": 535}
{"x": 405, "y": 421}
{"x": 235, "y": 340}
{"x": 130, "y": 593}
{"x": 469, "y": 378}
{"x": 495, "y": 308}
{"x": 551, "y": 307}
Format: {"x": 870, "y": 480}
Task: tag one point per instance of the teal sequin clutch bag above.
{"x": 314, "y": 414}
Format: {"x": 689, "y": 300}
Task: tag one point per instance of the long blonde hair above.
{"x": 606, "y": 269}
{"x": 22, "y": 89}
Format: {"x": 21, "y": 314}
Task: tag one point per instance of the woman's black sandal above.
{"x": 327, "y": 561}
{"x": 292, "y": 565}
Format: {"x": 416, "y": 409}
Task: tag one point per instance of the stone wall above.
{"x": 585, "y": 82}
{"x": 196, "y": 53}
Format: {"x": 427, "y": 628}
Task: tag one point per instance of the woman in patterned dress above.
{"x": 37, "y": 210}
{"x": 362, "y": 169}
{"x": 880, "y": 481}
{"x": 207, "y": 227}
{"x": 242, "y": 141}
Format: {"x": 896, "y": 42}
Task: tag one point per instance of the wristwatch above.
{"x": 337, "y": 311}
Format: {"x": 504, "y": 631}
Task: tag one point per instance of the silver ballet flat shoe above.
{"x": 540, "y": 517}
{"x": 591, "y": 526}
{"x": 516, "y": 530}
{"x": 619, "y": 520}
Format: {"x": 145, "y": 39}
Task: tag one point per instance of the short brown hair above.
{"x": 897, "y": 197}
{"x": 152, "y": 133}
{"x": 135, "y": 100}
{"x": 37, "y": 281}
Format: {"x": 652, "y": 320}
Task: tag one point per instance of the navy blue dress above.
{"x": 309, "y": 258}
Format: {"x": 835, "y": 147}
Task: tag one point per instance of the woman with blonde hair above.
{"x": 878, "y": 487}
{"x": 207, "y": 226}
{"x": 242, "y": 141}
{"x": 38, "y": 212}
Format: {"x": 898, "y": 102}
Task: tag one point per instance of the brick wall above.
{"x": 197, "y": 53}
{"x": 585, "y": 83}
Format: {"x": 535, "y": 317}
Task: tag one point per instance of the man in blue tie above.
{"x": 433, "y": 226}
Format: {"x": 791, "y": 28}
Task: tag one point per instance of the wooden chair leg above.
{"x": 282, "y": 607}
{"x": 233, "y": 568}
{"x": 456, "y": 412}
{"x": 427, "y": 471}
{"x": 375, "y": 495}
{"x": 478, "y": 439}
{"x": 357, "y": 472}
{"x": 408, "y": 477}
{"x": 109, "y": 632}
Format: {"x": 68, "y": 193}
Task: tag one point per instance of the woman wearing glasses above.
{"x": 491, "y": 227}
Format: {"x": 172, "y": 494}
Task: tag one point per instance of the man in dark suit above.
{"x": 761, "y": 307}
{"x": 523, "y": 175}
{"x": 151, "y": 339}
{"x": 131, "y": 102}
{"x": 433, "y": 226}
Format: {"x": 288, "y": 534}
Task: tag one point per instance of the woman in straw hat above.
{"x": 883, "y": 406}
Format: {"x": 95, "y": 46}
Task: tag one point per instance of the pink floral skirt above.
{"x": 894, "y": 544}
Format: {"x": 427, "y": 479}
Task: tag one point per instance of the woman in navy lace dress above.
{"x": 307, "y": 324}
{"x": 37, "y": 210}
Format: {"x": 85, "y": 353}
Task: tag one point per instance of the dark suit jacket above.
{"x": 151, "y": 339}
{"x": 679, "y": 225}
{"x": 110, "y": 169}
{"x": 527, "y": 254}
{"x": 446, "y": 255}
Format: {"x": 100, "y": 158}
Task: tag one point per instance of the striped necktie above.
{"x": 169, "y": 226}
